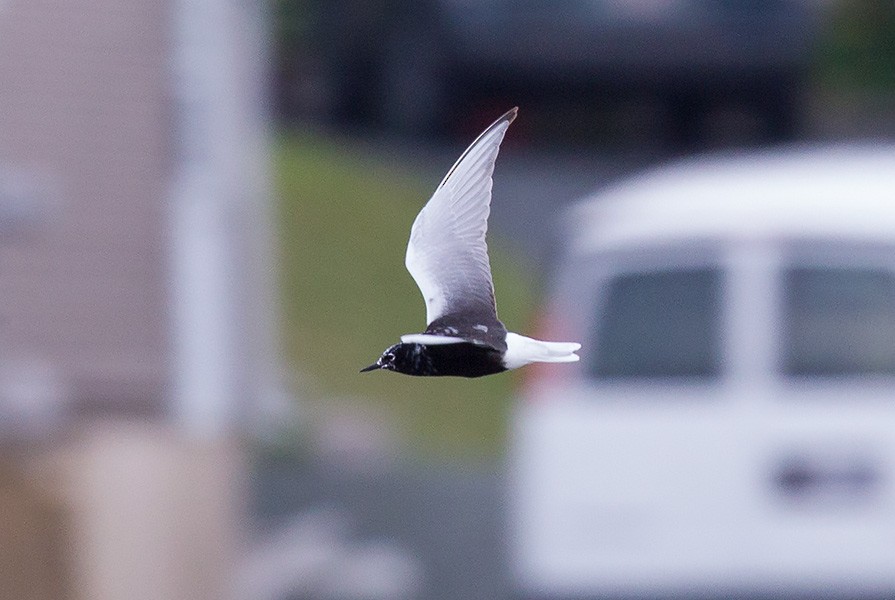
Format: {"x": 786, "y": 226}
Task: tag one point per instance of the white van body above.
{"x": 730, "y": 429}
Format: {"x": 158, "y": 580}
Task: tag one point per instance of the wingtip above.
{"x": 510, "y": 115}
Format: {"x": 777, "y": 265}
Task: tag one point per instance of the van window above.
{"x": 838, "y": 321}
{"x": 660, "y": 324}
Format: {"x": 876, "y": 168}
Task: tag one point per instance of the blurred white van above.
{"x": 730, "y": 429}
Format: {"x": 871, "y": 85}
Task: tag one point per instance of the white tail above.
{"x": 523, "y": 350}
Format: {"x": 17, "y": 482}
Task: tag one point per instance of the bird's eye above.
{"x": 389, "y": 356}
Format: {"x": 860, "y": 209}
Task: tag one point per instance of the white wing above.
{"x": 431, "y": 340}
{"x": 447, "y": 254}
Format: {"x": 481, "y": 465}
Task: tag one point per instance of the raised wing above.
{"x": 447, "y": 254}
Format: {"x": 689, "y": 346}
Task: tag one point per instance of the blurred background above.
{"x": 204, "y": 207}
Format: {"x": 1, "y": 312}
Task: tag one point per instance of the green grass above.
{"x": 344, "y": 220}
{"x": 857, "y": 50}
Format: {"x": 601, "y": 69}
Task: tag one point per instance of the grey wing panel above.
{"x": 447, "y": 254}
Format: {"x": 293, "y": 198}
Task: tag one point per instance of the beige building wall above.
{"x": 149, "y": 514}
{"x": 84, "y": 134}
{"x": 134, "y": 269}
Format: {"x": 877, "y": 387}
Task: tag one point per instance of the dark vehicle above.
{"x": 414, "y": 65}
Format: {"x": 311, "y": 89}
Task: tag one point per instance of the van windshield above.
{"x": 660, "y": 324}
{"x": 838, "y": 321}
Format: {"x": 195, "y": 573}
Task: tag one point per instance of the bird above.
{"x": 447, "y": 256}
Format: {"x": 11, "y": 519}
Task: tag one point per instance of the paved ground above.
{"x": 445, "y": 521}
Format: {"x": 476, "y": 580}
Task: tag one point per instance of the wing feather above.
{"x": 447, "y": 254}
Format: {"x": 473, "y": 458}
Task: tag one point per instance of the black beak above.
{"x": 372, "y": 367}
